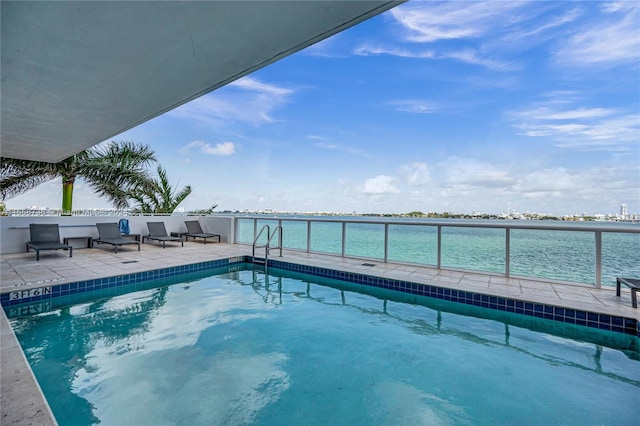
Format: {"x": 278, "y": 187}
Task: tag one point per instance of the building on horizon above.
{"x": 624, "y": 211}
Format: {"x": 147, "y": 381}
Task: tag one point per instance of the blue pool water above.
{"x": 237, "y": 346}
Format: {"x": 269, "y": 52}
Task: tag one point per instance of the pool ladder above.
{"x": 268, "y": 246}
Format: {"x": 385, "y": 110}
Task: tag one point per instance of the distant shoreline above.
{"x": 461, "y": 216}
{"x": 633, "y": 218}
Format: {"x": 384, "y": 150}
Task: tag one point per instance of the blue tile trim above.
{"x": 572, "y": 316}
{"x": 11, "y": 298}
{"x": 555, "y": 313}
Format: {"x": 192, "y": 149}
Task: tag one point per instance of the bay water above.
{"x": 546, "y": 254}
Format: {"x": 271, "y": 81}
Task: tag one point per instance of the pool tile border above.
{"x": 555, "y": 313}
{"x": 51, "y": 291}
{"x": 538, "y": 310}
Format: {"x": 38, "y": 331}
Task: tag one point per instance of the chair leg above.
{"x": 37, "y": 254}
{"x": 70, "y": 251}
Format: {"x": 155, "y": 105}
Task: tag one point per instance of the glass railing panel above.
{"x": 556, "y": 255}
{"x": 326, "y": 237}
{"x": 413, "y": 243}
{"x": 294, "y": 234}
{"x": 244, "y": 231}
{"x": 620, "y": 256}
{"x": 365, "y": 240}
{"x": 473, "y": 248}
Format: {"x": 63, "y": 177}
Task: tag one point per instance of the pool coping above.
{"x": 32, "y": 296}
{"x": 608, "y": 322}
{"x": 21, "y": 397}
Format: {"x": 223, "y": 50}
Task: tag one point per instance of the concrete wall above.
{"x": 14, "y": 230}
{"x": 223, "y": 225}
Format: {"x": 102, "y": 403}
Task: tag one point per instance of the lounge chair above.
{"x": 110, "y": 234}
{"x": 158, "y": 232}
{"x": 633, "y": 284}
{"x": 194, "y": 230}
{"x": 46, "y": 237}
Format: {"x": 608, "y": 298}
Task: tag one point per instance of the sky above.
{"x": 461, "y": 106}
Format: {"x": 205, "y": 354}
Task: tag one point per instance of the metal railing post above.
{"x": 439, "y": 246}
{"x": 598, "y": 259}
{"x": 507, "y": 253}
{"x": 344, "y": 237}
{"x": 386, "y": 242}
{"x": 236, "y": 224}
{"x": 308, "y": 236}
{"x": 255, "y": 228}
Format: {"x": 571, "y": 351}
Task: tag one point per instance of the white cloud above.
{"x": 604, "y": 34}
{"x": 343, "y": 148}
{"x": 468, "y": 173}
{"x": 579, "y": 127}
{"x": 221, "y": 149}
{"x": 414, "y": 106}
{"x": 545, "y": 113}
{"x": 246, "y": 100}
{"x": 606, "y": 43}
{"x": 367, "y": 50}
{"x": 474, "y": 57}
{"x": 546, "y": 183}
{"x": 469, "y": 56}
{"x": 568, "y": 188}
{"x": 381, "y": 184}
{"x": 415, "y": 174}
{"x": 540, "y": 31}
{"x": 261, "y": 88}
{"x": 431, "y": 21}
{"x": 327, "y": 48}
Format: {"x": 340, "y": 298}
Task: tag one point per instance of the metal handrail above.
{"x": 597, "y": 230}
{"x": 277, "y": 231}
{"x": 255, "y": 242}
{"x": 267, "y": 247}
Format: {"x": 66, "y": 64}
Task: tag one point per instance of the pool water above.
{"x": 243, "y": 347}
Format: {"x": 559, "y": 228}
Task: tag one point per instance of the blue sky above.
{"x": 460, "y": 106}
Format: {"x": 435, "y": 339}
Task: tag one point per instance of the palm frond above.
{"x": 116, "y": 170}
{"x": 158, "y": 196}
{"x": 180, "y": 196}
{"x": 204, "y": 211}
{"x": 19, "y": 176}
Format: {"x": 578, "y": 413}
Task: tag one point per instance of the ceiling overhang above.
{"x": 75, "y": 74}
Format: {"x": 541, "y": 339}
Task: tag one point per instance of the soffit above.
{"x": 75, "y": 74}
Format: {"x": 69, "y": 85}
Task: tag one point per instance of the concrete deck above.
{"x": 22, "y": 402}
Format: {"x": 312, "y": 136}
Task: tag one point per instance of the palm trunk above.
{"x": 67, "y": 196}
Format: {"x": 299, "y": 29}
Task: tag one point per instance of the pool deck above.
{"x": 21, "y": 400}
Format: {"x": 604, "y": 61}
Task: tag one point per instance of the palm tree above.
{"x": 203, "y": 212}
{"x": 112, "y": 170}
{"x": 157, "y": 196}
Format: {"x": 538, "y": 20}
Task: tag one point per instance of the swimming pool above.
{"x": 237, "y": 346}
